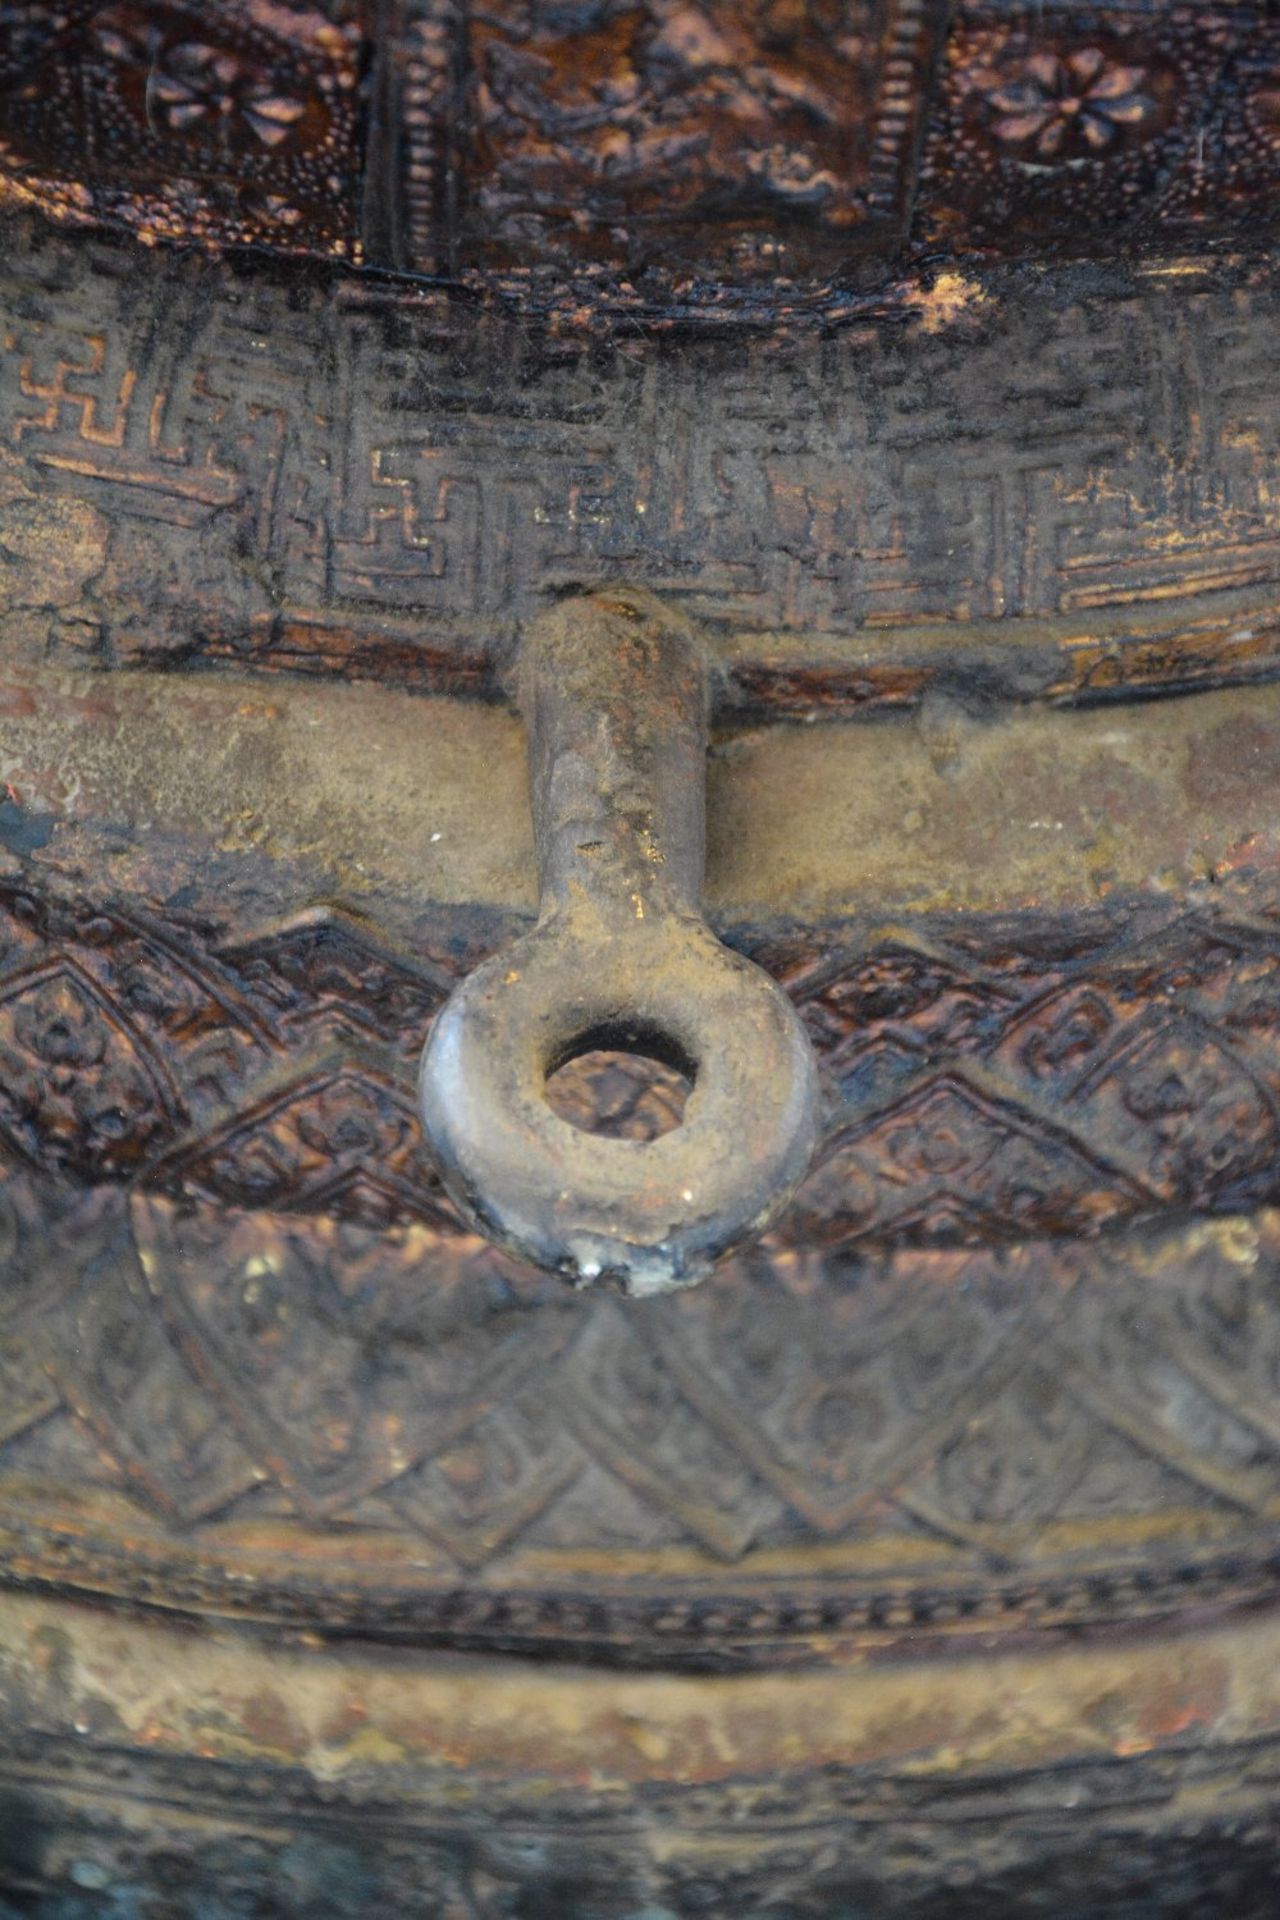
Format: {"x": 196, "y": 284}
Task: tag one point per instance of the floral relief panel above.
{"x": 646, "y": 148}
{"x": 236, "y": 124}
{"x": 1085, "y": 128}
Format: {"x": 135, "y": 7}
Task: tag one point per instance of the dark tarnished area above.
{"x": 1020, "y": 488}
{"x": 1004, "y": 1366}
{"x": 728, "y": 159}
{"x": 228, "y": 125}
{"x": 977, "y": 1447}
{"x": 614, "y": 692}
{"x": 914, "y": 366}
{"x": 322, "y": 1783}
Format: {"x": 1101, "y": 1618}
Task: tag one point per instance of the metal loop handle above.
{"x": 614, "y": 689}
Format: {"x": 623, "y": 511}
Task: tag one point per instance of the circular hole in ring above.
{"x": 621, "y": 1080}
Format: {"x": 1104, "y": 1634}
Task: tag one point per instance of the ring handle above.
{"x": 614, "y": 688}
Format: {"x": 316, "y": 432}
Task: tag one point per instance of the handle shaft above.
{"x": 614, "y": 694}
{"x": 614, "y": 691}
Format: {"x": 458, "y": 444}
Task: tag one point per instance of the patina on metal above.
{"x": 922, "y": 1560}
{"x": 614, "y": 687}
{"x": 649, "y": 157}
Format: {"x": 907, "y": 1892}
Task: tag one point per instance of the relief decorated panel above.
{"x": 1008, "y": 1367}
{"x": 746, "y": 142}
{"x": 1078, "y": 494}
{"x": 1020, "y": 1311}
{"x": 402, "y": 1429}
{"x": 1153, "y": 126}
{"x": 665, "y": 158}
{"x": 980, "y": 1089}
{"x": 232, "y": 125}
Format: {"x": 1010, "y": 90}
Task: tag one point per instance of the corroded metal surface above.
{"x": 924, "y": 1559}
{"x": 331, "y": 1783}
{"x": 616, "y": 693}
{"x": 972, "y": 1431}
{"x": 400, "y": 1434}
{"x": 981, "y": 1368}
{"x": 1085, "y": 1006}
{"x": 1051, "y": 488}
{"x": 648, "y": 155}
{"x": 238, "y": 124}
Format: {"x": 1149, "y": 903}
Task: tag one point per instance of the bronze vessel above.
{"x": 795, "y": 1436}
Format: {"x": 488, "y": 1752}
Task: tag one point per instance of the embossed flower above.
{"x": 60, "y": 1026}
{"x": 1064, "y": 107}
{"x": 73, "y": 1094}
{"x": 195, "y": 86}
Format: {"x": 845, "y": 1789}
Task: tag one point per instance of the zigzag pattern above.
{"x": 232, "y": 1369}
